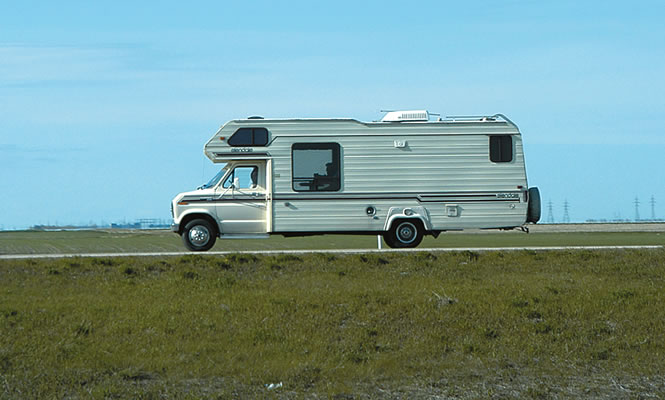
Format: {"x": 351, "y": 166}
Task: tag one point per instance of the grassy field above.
{"x": 563, "y": 324}
{"x": 39, "y": 242}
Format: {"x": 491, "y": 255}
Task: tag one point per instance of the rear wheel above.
{"x": 404, "y": 233}
{"x": 199, "y": 235}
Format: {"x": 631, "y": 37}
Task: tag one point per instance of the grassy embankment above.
{"x": 518, "y": 324}
{"x": 37, "y": 242}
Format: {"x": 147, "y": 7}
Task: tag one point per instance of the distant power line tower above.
{"x": 566, "y": 216}
{"x": 637, "y": 208}
{"x": 653, "y": 208}
{"x": 550, "y": 214}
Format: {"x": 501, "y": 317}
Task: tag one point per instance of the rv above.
{"x": 408, "y": 175}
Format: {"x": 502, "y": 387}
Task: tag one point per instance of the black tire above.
{"x": 199, "y": 235}
{"x": 404, "y": 233}
{"x": 533, "y": 210}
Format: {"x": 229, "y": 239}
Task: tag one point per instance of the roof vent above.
{"x": 411, "y": 115}
{"x": 255, "y": 117}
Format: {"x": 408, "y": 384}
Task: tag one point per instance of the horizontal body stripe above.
{"x": 241, "y": 154}
{"x": 422, "y": 198}
{"x": 239, "y": 199}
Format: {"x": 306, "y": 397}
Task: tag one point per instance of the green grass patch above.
{"x": 466, "y": 324}
{"x": 73, "y": 242}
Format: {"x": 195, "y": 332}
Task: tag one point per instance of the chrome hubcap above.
{"x": 199, "y": 235}
{"x": 406, "y": 232}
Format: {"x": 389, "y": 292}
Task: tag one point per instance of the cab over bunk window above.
{"x": 249, "y": 137}
{"x": 315, "y": 167}
{"x": 501, "y": 148}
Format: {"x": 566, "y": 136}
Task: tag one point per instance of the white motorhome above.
{"x": 402, "y": 177}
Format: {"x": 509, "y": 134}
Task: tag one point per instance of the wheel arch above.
{"x": 185, "y": 219}
{"x": 419, "y": 214}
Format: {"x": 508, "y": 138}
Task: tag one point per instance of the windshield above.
{"x": 215, "y": 180}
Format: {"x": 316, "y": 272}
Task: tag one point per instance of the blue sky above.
{"x": 105, "y": 106}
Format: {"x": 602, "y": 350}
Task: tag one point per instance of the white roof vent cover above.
{"x": 411, "y": 115}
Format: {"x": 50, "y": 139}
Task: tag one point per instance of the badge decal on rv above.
{"x": 241, "y": 150}
{"x": 507, "y": 195}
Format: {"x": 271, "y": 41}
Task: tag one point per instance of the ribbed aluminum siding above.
{"x": 438, "y": 158}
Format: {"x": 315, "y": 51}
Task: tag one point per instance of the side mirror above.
{"x": 236, "y": 182}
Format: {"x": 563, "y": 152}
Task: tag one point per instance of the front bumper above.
{"x": 175, "y": 228}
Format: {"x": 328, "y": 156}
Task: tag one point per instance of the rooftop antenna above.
{"x": 550, "y": 214}
{"x": 637, "y": 208}
{"x": 566, "y": 217}
{"x": 383, "y": 111}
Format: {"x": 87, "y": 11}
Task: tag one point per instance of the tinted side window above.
{"x": 501, "y": 148}
{"x": 242, "y": 137}
{"x": 316, "y": 167}
{"x": 249, "y": 137}
{"x": 260, "y": 136}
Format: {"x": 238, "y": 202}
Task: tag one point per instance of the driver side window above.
{"x": 247, "y": 177}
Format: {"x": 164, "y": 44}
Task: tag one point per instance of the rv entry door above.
{"x": 242, "y": 203}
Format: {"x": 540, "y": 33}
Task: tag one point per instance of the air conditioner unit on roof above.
{"x": 401, "y": 116}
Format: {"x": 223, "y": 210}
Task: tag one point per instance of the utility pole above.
{"x": 550, "y": 214}
{"x": 653, "y": 208}
{"x": 566, "y": 217}
{"x": 637, "y": 208}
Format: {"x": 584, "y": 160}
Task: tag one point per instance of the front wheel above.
{"x": 404, "y": 233}
{"x": 199, "y": 235}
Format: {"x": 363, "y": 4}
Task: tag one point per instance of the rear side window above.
{"x": 249, "y": 137}
{"x": 316, "y": 167}
{"x": 501, "y": 148}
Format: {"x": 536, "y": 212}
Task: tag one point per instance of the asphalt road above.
{"x": 333, "y": 251}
